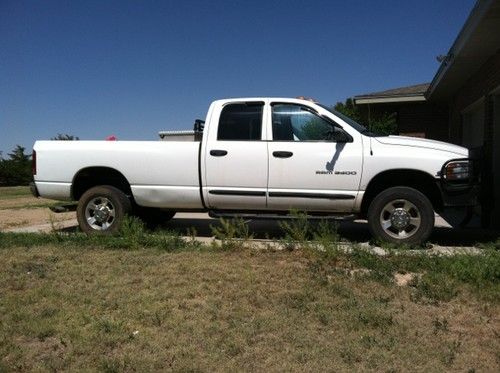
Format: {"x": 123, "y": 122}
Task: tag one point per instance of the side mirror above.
{"x": 342, "y": 137}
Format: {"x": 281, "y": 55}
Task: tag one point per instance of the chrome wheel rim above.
{"x": 100, "y": 213}
{"x": 400, "y": 219}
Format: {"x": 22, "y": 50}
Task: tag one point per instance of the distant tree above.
{"x": 384, "y": 123}
{"x": 349, "y": 109}
{"x": 65, "y": 137}
{"x": 17, "y": 169}
{"x": 18, "y": 155}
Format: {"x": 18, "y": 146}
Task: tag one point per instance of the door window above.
{"x": 240, "y": 122}
{"x": 299, "y": 123}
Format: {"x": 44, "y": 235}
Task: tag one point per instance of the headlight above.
{"x": 458, "y": 170}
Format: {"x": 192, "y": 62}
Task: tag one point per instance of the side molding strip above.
{"x": 310, "y": 195}
{"x": 237, "y": 193}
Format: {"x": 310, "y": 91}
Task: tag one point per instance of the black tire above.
{"x": 153, "y": 217}
{"x": 111, "y": 206}
{"x": 401, "y": 215}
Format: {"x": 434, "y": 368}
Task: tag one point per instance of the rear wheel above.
{"x": 101, "y": 209}
{"x": 401, "y": 215}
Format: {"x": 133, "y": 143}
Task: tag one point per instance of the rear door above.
{"x": 313, "y": 164}
{"x": 236, "y": 158}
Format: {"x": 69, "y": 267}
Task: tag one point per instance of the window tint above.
{"x": 240, "y": 122}
{"x": 297, "y": 123}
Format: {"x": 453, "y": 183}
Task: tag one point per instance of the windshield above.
{"x": 358, "y": 127}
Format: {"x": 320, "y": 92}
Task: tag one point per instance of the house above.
{"x": 414, "y": 115}
{"x": 462, "y": 102}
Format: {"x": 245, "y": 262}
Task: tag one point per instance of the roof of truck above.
{"x": 284, "y": 99}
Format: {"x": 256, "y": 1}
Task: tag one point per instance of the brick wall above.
{"x": 422, "y": 119}
{"x": 425, "y": 117}
{"x": 479, "y": 86}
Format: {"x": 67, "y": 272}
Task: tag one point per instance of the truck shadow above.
{"x": 353, "y": 231}
{"x": 264, "y": 229}
{"x": 462, "y": 237}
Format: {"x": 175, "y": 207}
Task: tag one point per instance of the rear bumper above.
{"x": 34, "y": 190}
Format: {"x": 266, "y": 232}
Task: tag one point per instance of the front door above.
{"x": 236, "y": 159}
{"x": 313, "y": 164}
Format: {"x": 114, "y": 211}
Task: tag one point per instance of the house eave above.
{"x": 387, "y": 100}
{"x": 473, "y": 45}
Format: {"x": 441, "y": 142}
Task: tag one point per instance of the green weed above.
{"x": 232, "y": 233}
{"x": 435, "y": 287}
{"x": 297, "y": 230}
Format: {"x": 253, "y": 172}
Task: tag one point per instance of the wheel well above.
{"x": 419, "y": 180}
{"x": 94, "y": 176}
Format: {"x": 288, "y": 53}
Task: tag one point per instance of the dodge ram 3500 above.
{"x": 262, "y": 157}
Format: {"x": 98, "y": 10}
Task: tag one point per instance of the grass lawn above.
{"x": 72, "y": 303}
{"x": 14, "y": 192}
{"x": 20, "y": 197}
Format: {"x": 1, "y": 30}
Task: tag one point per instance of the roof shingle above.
{"x": 412, "y": 90}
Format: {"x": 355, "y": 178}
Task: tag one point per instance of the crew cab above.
{"x": 262, "y": 157}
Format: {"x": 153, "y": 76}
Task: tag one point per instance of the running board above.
{"x": 273, "y": 216}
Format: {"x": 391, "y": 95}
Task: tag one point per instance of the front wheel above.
{"x": 401, "y": 215}
{"x": 101, "y": 209}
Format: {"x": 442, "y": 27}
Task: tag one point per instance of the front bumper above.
{"x": 456, "y": 193}
{"x": 34, "y": 190}
{"x": 459, "y": 196}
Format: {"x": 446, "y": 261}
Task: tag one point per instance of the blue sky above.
{"x": 132, "y": 68}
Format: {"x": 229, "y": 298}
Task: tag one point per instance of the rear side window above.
{"x": 241, "y": 122}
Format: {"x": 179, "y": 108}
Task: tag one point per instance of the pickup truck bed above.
{"x": 154, "y": 182}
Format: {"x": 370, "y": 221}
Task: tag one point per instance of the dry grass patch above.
{"x": 14, "y": 192}
{"x": 72, "y": 308}
{"x": 21, "y": 197}
{"x": 18, "y": 208}
{"x": 28, "y": 217}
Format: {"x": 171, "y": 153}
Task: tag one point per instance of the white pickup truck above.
{"x": 262, "y": 157}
